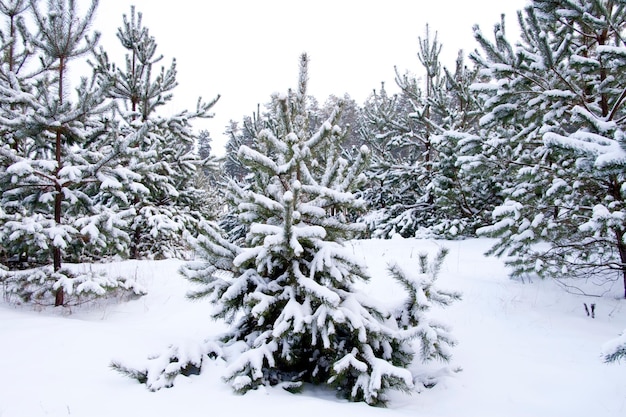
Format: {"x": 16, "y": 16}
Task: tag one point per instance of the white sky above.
{"x": 247, "y": 49}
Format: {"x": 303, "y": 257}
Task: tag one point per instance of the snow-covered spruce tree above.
{"x": 288, "y": 290}
{"x": 554, "y": 125}
{"x": 210, "y": 164}
{"x": 59, "y": 153}
{"x": 350, "y": 119}
{"x": 209, "y": 179}
{"x": 165, "y": 200}
{"x": 417, "y": 185}
{"x": 434, "y": 336}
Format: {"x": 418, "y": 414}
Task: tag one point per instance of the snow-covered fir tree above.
{"x": 59, "y": 152}
{"x": 210, "y": 166}
{"x": 554, "y": 126}
{"x": 463, "y": 196}
{"x": 164, "y": 199}
{"x": 350, "y": 119}
{"x": 235, "y": 170}
{"x": 288, "y": 288}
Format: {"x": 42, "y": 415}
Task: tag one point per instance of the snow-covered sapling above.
{"x": 421, "y": 295}
{"x": 288, "y": 288}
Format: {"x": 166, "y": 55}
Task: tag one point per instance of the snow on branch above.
{"x": 614, "y": 350}
{"x": 605, "y": 150}
{"x": 161, "y": 370}
{"x": 247, "y": 370}
{"x": 314, "y": 288}
{"x": 248, "y": 154}
{"x": 39, "y": 286}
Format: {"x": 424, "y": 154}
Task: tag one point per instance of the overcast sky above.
{"x": 245, "y": 50}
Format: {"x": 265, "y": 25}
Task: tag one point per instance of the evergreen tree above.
{"x": 463, "y": 196}
{"x": 350, "y": 118}
{"x": 288, "y": 287}
{"x": 165, "y": 202}
{"x": 554, "y": 126}
{"x": 204, "y": 144}
{"x": 394, "y": 190}
{"x": 418, "y": 185}
{"x": 291, "y": 299}
{"x": 16, "y": 52}
{"x": 59, "y": 150}
{"x": 209, "y": 179}
{"x": 238, "y": 136}
{"x": 235, "y": 170}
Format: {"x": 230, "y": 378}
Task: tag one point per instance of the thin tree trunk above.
{"x": 58, "y": 198}
{"x": 134, "y": 252}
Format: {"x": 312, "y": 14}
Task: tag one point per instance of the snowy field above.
{"x": 525, "y": 349}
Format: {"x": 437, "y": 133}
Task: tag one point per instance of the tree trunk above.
{"x": 58, "y": 198}
{"x": 134, "y": 251}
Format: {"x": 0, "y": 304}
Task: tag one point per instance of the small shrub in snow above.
{"x": 435, "y": 338}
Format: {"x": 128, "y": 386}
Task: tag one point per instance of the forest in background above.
{"x": 520, "y": 142}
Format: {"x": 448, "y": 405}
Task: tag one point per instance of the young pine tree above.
{"x": 288, "y": 289}
{"x": 16, "y": 52}
{"x": 554, "y": 133}
{"x": 59, "y": 153}
{"x": 164, "y": 199}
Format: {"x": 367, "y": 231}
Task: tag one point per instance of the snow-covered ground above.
{"x": 525, "y": 349}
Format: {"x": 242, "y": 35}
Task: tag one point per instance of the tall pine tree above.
{"x": 164, "y": 199}
{"x": 54, "y": 159}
